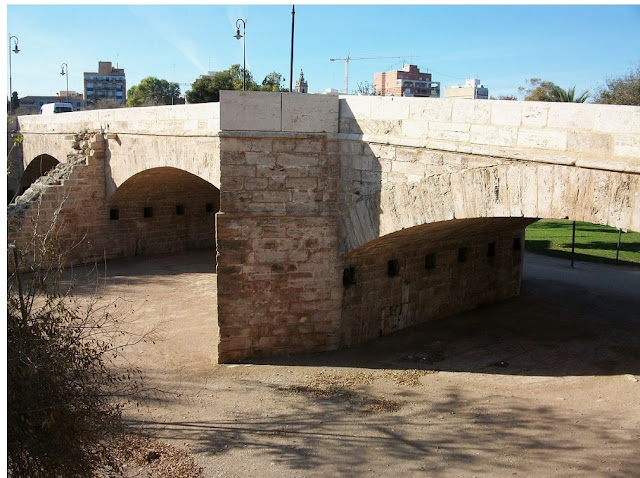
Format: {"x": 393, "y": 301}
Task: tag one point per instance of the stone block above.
{"x": 389, "y": 108}
{"x": 310, "y": 113}
{"x": 413, "y": 172}
{"x": 534, "y": 113}
{"x": 430, "y": 109}
{"x": 507, "y": 113}
{"x": 571, "y": 116}
{"x": 474, "y": 112}
{"x": 542, "y": 139}
{"x": 415, "y": 128}
{"x": 627, "y": 145}
{"x": 589, "y": 142}
{"x": 617, "y": 119}
{"x": 449, "y": 131}
{"x": 353, "y": 107}
{"x": 493, "y": 135}
{"x": 250, "y": 111}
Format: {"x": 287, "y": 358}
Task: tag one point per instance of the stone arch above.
{"x": 37, "y": 168}
{"x": 429, "y": 271}
{"x": 162, "y": 210}
{"x": 515, "y": 189}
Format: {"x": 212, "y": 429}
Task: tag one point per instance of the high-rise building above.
{"x": 301, "y": 84}
{"x": 472, "y": 89}
{"x": 107, "y": 83}
{"x": 409, "y": 81}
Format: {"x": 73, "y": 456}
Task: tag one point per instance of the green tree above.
{"x": 505, "y": 97}
{"x": 152, "y": 92}
{"x": 207, "y": 88}
{"x": 273, "y": 82}
{"x": 106, "y": 104}
{"x": 537, "y": 90}
{"x": 236, "y": 72}
{"x": 624, "y": 90}
{"x": 568, "y": 96}
{"x": 365, "y": 88}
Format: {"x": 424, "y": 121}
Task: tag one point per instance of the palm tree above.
{"x": 568, "y": 96}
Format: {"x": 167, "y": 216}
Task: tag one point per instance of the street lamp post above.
{"x": 64, "y": 70}
{"x": 16, "y": 51}
{"x": 293, "y": 22}
{"x": 244, "y": 48}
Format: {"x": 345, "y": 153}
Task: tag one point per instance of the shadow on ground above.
{"x": 581, "y": 321}
{"x": 477, "y": 435}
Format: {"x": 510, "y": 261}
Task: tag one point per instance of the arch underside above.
{"x": 516, "y": 190}
{"x": 37, "y": 168}
{"x": 163, "y": 210}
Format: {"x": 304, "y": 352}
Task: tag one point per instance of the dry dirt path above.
{"x": 545, "y": 384}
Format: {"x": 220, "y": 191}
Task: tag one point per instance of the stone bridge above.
{"x": 336, "y": 219}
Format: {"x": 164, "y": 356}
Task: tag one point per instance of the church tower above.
{"x": 301, "y": 84}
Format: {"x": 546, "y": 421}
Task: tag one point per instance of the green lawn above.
{"x": 593, "y": 242}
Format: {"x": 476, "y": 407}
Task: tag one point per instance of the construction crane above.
{"x": 349, "y": 58}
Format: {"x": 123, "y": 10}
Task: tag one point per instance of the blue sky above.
{"x": 502, "y": 45}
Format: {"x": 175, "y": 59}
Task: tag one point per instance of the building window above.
{"x": 147, "y": 212}
{"x": 491, "y": 249}
{"x": 114, "y": 214}
{"x": 180, "y": 210}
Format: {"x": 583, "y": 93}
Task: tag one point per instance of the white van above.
{"x": 52, "y": 108}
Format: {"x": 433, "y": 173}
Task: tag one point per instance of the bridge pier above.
{"x": 279, "y": 271}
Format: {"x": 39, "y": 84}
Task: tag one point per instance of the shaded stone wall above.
{"x": 162, "y": 210}
{"x": 428, "y": 272}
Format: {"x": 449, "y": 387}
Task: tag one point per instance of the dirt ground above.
{"x": 545, "y": 384}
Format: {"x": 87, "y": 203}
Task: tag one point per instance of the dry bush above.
{"x": 61, "y": 382}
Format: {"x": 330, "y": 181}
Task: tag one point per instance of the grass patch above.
{"x": 593, "y": 242}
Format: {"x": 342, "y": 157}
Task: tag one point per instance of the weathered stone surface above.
{"x": 250, "y": 111}
{"x": 310, "y": 113}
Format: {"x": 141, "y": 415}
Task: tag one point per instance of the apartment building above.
{"x": 472, "y": 89}
{"x": 106, "y": 83}
{"x": 409, "y": 81}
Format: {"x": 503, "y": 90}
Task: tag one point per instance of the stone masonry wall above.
{"x": 73, "y": 207}
{"x": 429, "y": 272}
{"x": 279, "y": 288}
{"x": 160, "y": 211}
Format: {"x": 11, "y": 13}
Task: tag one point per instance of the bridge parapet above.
{"x": 584, "y": 135}
{"x": 176, "y": 120}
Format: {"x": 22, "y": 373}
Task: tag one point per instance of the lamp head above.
{"x": 237, "y": 36}
{"x": 16, "y": 50}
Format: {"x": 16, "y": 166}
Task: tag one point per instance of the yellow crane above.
{"x": 349, "y": 58}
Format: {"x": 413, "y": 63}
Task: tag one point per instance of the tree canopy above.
{"x": 207, "y": 88}
{"x": 539, "y": 90}
{"x": 273, "y": 82}
{"x": 624, "y": 90}
{"x": 152, "y": 92}
{"x": 568, "y": 95}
